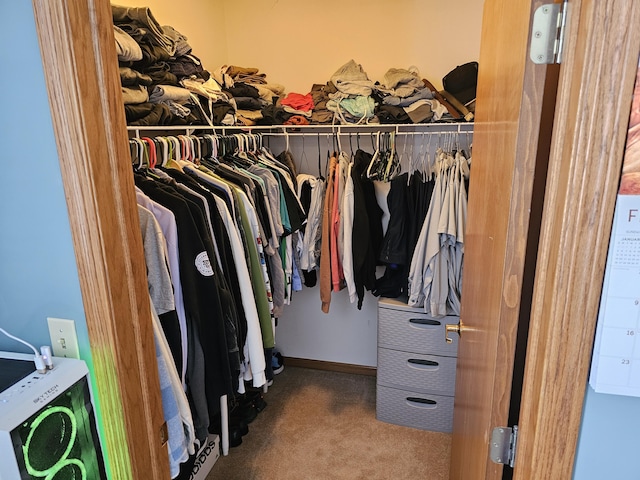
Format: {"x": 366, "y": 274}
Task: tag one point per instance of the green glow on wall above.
{"x": 109, "y": 414}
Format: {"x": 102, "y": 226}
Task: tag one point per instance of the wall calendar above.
{"x": 615, "y": 365}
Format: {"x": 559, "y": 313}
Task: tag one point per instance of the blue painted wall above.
{"x": 609, "y": 437}
{"x": 38, "y": 274}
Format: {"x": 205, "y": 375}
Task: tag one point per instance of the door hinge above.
{"x": 503, "y": 445}
{"x": 547, "y": 32}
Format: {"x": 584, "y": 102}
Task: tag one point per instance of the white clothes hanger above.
{"x": 376, "y": 154}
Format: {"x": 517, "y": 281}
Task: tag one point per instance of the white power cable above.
{"x": 20, "y": 340}
{"x": 38, "y": 359}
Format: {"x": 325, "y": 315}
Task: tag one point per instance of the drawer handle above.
{"x": 422, "y": 402}
{"x": 425, "y": 321}
{"x": 423, "y": 364}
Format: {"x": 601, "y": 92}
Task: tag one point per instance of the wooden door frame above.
{"x": 592, "y": 115}
{"x": 79, "y": 58}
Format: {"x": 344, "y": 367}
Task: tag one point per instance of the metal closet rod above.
{"x": 330, "y": 134}
{"x": 303, "y": 130}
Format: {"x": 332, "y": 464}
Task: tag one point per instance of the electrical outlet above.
{"x": 64, "y": 341}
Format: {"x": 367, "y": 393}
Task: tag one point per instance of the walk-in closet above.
{"x": 278, "y": 266}
{"x": 372, "y": 164}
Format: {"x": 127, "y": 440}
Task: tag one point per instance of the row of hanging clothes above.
{"x": 217, "y": 215}
{"x": 435, "y": 272}
{"x": 371, "y": 210}
{"x": 250, "y": 228}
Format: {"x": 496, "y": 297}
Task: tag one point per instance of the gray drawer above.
{"x": 416, "y": 372}
{"x": 415, "y": 331}
{"x": 416, "y": 410}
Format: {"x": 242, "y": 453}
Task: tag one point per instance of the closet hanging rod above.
{"x": 402, "y": 128}
{"x": 330, "y": 134}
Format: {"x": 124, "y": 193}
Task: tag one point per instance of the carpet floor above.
{"x": 322, "y": 425}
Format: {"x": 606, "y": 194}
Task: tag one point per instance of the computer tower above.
{"x": 47, "y": 421}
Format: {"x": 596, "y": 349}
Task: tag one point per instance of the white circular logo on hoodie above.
{"x": 204, "y": 265}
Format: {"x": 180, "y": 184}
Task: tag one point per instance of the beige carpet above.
{"x": 322, "y": 425}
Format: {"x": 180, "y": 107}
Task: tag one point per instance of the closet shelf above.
{"x": 297, "y": 130}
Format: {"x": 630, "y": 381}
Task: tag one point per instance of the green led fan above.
{"x": 52, "y": 433}
{"x": 51, "y": 437}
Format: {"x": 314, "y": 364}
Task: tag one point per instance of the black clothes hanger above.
{"x": 319, "y": 160}
{"x": 326, "y": 165}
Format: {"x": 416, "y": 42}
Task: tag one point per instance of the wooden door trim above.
{"x": 80, "y": 68}
{"x": 597, "y": 74}
{"x": 506, "y": 165}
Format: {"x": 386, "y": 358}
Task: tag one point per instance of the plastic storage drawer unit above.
{"x": 416, "y": 368}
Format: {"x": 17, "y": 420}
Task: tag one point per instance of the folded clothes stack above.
{"x": 164, "y": 83}
{"x": 320, "y": 93}
{"x": 248, "y": 102}
{"x": 350, "y": 97}
{"x": 155, "y": 62}
{"x": 403, "y": 98}
{"x": 352, "y": 101}
{"x": 253, "y": 95}
{"x": 300, "y": 106}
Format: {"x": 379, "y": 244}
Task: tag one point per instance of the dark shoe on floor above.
{"x": 277, "y": 362}
{"x": 255, "y": 398}
{"x": 237, "y": 422}
{"x": 259, "y": 404}
{"x": 245, "y": 411}
{"x": 235, "y": 437}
